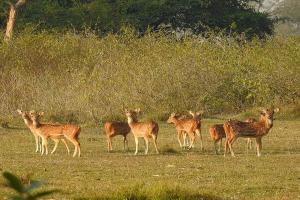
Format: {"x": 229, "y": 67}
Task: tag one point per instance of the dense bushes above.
{"x": 94, "y": 78}
{"x": 105, "y": 16}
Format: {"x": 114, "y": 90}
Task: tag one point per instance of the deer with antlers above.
{"x": 55, "y": 131}
{"x": 235, "y": 129}
{"x": 191, "y": 126}
{"x": 147, "y": 130}
{"x": 26, "y": 117}
{"x": 115, "y": 128}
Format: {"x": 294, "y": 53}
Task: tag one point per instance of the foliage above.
{"x": 25, "y": 191}
{"x": 83, "y": 78}
{"x": 104, "y": 16}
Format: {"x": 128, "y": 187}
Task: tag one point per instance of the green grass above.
{"x": 174, "y": 174}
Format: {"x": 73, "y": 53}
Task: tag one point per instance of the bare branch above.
{"x": 20, "y": 3}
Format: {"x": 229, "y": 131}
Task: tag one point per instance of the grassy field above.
{"x": 174, "y": 174}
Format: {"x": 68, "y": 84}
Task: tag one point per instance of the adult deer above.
{"x": 197, "y": 117}
{"x": 144, "y": 130}
{"x": 115, "y": 128}
{"x": 189, "y": 125}
{"x": 181, "y": 134}
{"x": 235, "y": 129}
{"x": 26, "y": 117}
{"x": 217, "y": 133}
{"x": 28, "y": 122}
{"x": 55, "y": 131}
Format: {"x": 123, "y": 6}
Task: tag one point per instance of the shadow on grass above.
{"x": 158, "y": 193}
{"x": 166, "y": 150}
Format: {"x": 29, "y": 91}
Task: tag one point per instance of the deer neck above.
{"x": 36, "y": 124}
{"x": 266, "y": 124}
{"x": 176, "y": 121}
{"x": 27, "y": 122}
{"x": 131, "y": 121}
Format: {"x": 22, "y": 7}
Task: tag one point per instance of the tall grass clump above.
{"x": 84, "y": 78}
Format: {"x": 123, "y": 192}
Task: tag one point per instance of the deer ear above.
{"x": 138, "y": 110}
{"x": 192, "y": 113}
{"x": 31, "y": 112}
{"x": 264, "y": 110}
{"x": 199, "y": 112}
{"x": 41, "y": 113}
{"x": 19, "y": 111}
{"x": 126, "y": 110}
{"x": 276, "y": 110}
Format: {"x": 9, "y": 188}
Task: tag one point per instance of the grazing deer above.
{"x": 145, "y": 130}
{"x": 26, "y": 117}
{"x": 55, "y": 131}
{"x": 113, "y": 129}
{"x": 235, "y": 129}
{"x": 217, "y": 133}
{"x": 190, "y": 126}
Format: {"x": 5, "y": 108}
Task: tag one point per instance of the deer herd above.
{"x": 187, "y": 129}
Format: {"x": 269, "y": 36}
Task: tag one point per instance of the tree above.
{"x": 12, "y": 18}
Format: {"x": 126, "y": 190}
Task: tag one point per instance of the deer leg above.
{"x": 258, "y": 146}
{"x": 64, "y": 141}
{"x": 76, "y": 146}
{"x": 37, "y": 144}
{"x": 192, "y": 136}
{"x": 146, "y": 145}
{"x": 226, "y": 146}
{"x": 230, "y": 143}
{"x": 109, "y": 143}
{"x": 179, "y": 134}
{"x": 186, "y": 142}
{"x": 215, "y": 144}
{"x": 136, "y": 139}
{"x": 198, "y": 132}
{"x": 55, "y": 145}
{"x": 108, "y": 147}
{"x": 125, "y": 144}
{"x": 220, "y": 143}
{"x": 155, "y": 143}
{"x": 44, "y": 146}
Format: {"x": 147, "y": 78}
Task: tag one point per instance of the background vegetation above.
{"x": 105, "y": 16}
{"x": 84, "y": 78}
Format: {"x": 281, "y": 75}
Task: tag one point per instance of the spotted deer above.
{"x": 38, "y": 141}
{"x": 181, "y": 134}
{"x": 217, "y": 133}
{"x": 115, "y": 128}
{"x": 188, "y": 125}
{"x": 147, "y": 130}
{"x": 197, "y": 116}
{"x": 55, "y": 131}
{"x": 235, "y": 129}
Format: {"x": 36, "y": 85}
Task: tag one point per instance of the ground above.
{"x": 191, "y": 174}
